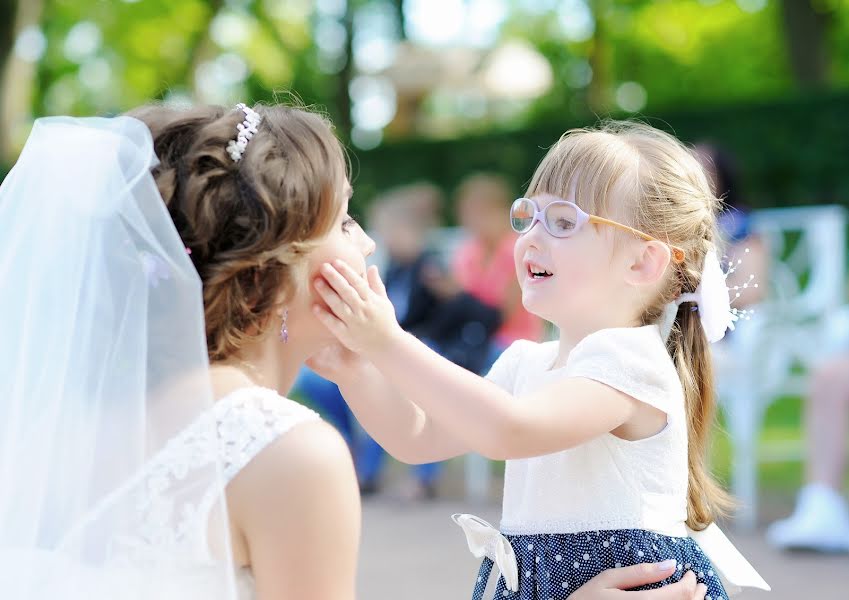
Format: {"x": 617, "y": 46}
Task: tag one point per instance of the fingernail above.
{"x": 666, "y": 565}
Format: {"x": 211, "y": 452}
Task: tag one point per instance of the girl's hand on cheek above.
{"x": 358, "y": 311}
{"x": 338, "y": 364}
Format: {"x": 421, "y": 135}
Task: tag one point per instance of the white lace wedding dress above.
{"x": 167, "y": 556}
{"x": 248, "y": 420}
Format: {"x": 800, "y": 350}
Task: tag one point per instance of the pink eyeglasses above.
{"x": 562, "y": 219}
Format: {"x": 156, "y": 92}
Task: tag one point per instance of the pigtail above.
{"x": 706, "y": 500}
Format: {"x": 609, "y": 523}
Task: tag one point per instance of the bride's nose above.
{"x": 368, "y": 246}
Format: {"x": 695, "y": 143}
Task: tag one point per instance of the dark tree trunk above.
{"x": 343, "y": 95}
{"x": 8, "y": 18}
{"x": 399, "y": 15}
{"x": 805, "y": 31}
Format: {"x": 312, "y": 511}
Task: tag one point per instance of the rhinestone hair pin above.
{"x": 745, "y": 315}
{"x": 247, "y": 129}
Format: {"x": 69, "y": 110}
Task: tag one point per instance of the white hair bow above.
{"x": 712, "y": 300}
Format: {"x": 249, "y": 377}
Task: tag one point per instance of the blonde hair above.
{"x": 667, "y": 195}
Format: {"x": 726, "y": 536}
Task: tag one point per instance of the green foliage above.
{"x": 685, "y": 51}
{"x": 788, "y": 152}
{"x": 153, "y": 48}
{"x": 681, "y": 52}
{"x": 729, "y": 68}
{"x": 147, "y": 45}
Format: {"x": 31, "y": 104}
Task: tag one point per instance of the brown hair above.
{"x": 669, "y": 197}
{"x": 247, "y": 224}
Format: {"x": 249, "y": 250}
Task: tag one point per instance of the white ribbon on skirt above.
{"x": 486, "y": 540}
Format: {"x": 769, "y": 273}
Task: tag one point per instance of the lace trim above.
{"x": 248, "y": 420}
{"x": 228, "y": 436}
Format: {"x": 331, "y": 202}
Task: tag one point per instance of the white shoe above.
{"x": 820, "y": 522}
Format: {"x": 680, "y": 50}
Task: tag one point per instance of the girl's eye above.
{"x": 563, "y": 224}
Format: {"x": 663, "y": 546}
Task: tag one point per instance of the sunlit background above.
{"x": 754, "y": 74}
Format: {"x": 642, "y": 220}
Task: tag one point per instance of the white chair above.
{"x": 799, "y": 324}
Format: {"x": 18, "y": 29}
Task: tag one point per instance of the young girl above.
{"x": 604, "y": 432}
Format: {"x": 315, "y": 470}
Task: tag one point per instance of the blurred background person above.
{"x": 484, "y": 266}
{"x": 402, "y": 220}
{"x": 735, "y": 227}
{"x": 428, "y": 304}
{"x": 820, "y": 520}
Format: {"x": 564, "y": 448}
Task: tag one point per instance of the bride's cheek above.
{"x": 314, "y": 298}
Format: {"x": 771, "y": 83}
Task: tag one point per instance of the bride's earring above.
{"x": 284, "y": 330}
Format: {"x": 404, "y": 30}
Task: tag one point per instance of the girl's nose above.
{"x": 532, "y": 237}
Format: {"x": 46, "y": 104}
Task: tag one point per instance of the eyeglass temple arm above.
{"x": 677, "y": 253}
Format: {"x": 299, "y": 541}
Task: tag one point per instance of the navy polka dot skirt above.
{"x": 551, "y": 567}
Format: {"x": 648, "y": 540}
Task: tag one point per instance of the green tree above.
{"x": 8, "y": 16}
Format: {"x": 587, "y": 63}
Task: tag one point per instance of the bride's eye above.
{"x": 348, "y": 223}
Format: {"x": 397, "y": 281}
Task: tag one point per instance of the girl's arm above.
{"x": 477, "y": 412}
{"x": 400, "y": 426}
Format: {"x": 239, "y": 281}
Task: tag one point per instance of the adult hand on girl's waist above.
{"x": 486, "y": 541}
{"x": 609, "y": 584}
{"x": 734, "y": 570}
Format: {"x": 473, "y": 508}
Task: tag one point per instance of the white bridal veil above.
{"x": 109, "y": 482}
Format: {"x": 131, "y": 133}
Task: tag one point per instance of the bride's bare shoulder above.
{"x": 311, "y": 459}
{"x": 305, "y": 454}
{"x": 295, "y": 499}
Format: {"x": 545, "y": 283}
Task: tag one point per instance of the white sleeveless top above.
{"x": 246, "y": 421}
{"x": 608, "y": 482}
{"x": 249, "y": 420}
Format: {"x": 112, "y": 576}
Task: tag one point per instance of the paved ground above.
{"x": 415, "y": 552}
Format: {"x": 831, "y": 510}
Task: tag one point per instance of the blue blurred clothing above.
{"x": 326, "y": 399}
{"x": 735, "y": 225}
{"x": 368, "y": 455}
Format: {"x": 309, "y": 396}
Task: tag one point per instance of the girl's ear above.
{"x": 648, "y": 263}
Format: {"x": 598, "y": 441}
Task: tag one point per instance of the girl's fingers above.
{"x": 334, "y": 325}
{"x": 337, "y": 305}
{"x": 353, "y": 279}
{"x": 701, "y": 592}
{"x": 375, "y": 282}
{"x": 335, "y": 279}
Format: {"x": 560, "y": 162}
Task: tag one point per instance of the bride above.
{"x": 155, "y": 308}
